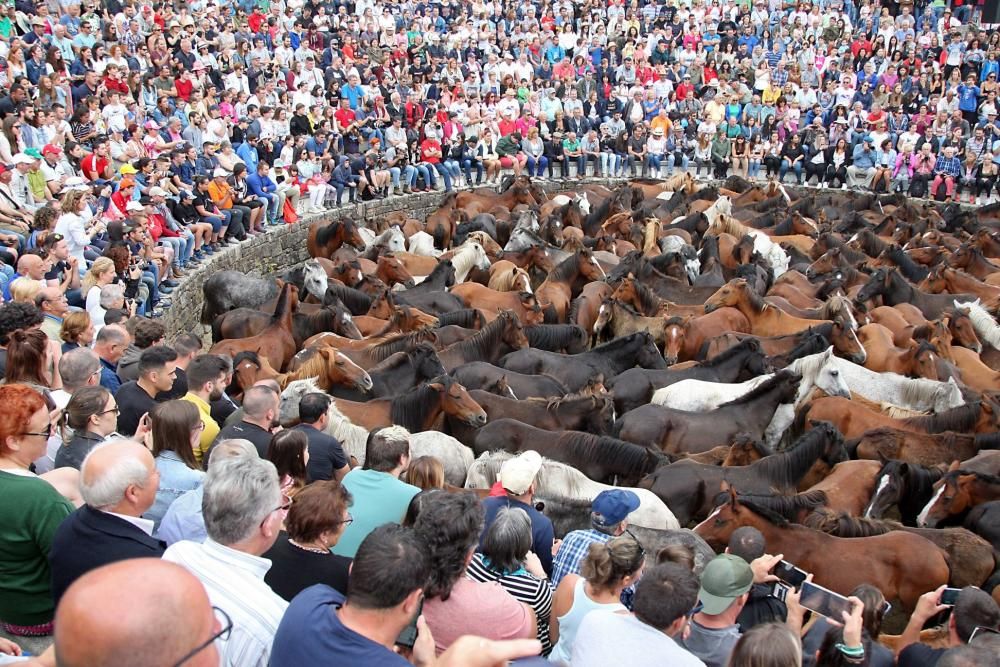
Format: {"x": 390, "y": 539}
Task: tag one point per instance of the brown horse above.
{"x": 970, "y": 259}
{"x": 505, "y": 276}
{"x": 328, "y": 367}
{"x": 326, "y": 236}
{"x": 569, "y": 277}
{"x": 276, "y": 342}
{"x": 391, "y": 271}
{"x": 404, "y": 319}
{"x": 926, "y": 449}
{"x": 442, "y": 223}
{"x": 914, "y": 360}
{"x": 764, "y": 320}
{"x": 586, "y": 308}
{"x": 479, "y": 201}
{"x": 853, "y": 419}
{"x": 616, "y": 319}
{"x": 944, "y": 280}
{"x": 955, "y": 494}
{"x": 501, "y": 336}
{"x": 849, "y": 486}
{"x": 647, "y": 302}
{"x": 685, "y": 336}
{"x": 524, "y": 304}
{"x": 901, "y": 565}
{"x": 418, "y": 409}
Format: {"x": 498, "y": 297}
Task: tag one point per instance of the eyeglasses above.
{"x": 47, "y": 434}
{"x": 114, "y": 410}
{"x": 223, "y": 634}
{"x": 347, "y": 522}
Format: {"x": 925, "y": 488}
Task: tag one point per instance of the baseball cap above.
{"x": 157, "y": 192}
{"x": 613, "y": 506}
{"x": 517, "y": 474}
{"x": 33, "y": 152}
{"x": 219, "y": 171}
{"x": 186, "y": 195}
{"x": 133, "y": 206}
{"x": 151, "y": 125}
{"x": 22, "y": 158}
{"x": 725, "y": 578}
{"x": 127, "y": 169}
{"x": 50, "y": 149}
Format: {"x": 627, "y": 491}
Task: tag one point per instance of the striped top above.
{"x": 234, "y": 581}
{"x": 523, "y": 587}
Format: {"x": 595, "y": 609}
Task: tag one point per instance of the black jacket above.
{"x": 88, "y": 539}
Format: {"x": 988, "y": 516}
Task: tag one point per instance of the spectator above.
{"x": 517, "y": 476}
{"x": 243, "y": 509}
{"x": 664, "y": 598}
{"x": 138, "y": 398}
{"x": 875, "y": 609}
{"x": 51, "y": 301}
{"x": 608, "y": 519}
{"x": 972, "y": 609}
{"x": 176, "y": 428}
{"x": 187, "y": 347}
{"x": 118, "y": 483}
{"x": 289, "y": 452}
{"x": 425, "y": 473}
{"x": 145, "y": 333}
{"x": 111, "y": 342}
{"x": 91, "y": 414}
{"x": 767, "y": 645}
{"x": 725, "y": 586}
{"x": 379, "y": 496}
{"x": 455, "y": 605}
{"x": 606, "y": 571}
{"x": 301, "y": 557}
{"x": 326, "y": 456}
{"x": 77, "y": 331}
{"x": 760, "y": 607}
{"x": 206, "y": 379}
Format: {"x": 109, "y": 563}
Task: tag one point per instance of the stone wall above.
{"x": 281, "y": 248}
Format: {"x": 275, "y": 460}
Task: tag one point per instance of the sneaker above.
{"x": 164, "y": 289}
{"x": 169, "y": 283}
{"x": 208, "y": 248}
{"x": 177, "y": 271}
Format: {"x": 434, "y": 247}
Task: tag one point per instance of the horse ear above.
{"x": 280, "y": 283}
{"x": 955, "y": 465}
{"x": 733, "y": 500}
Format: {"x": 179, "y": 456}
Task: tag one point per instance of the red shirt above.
{"x": 184, "y": 88}
{"x": 344, "y": 117}
{"x": 93, "y": 164}
{"x": 116, "y": 85}
{"x": 427, "y": 145}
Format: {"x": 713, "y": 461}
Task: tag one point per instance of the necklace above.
{"x": 315, "y": 550}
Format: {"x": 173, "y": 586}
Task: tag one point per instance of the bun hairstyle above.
{"x": 608, "y": 563}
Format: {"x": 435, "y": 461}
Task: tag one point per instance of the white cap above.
{"x": 23, "y": 158}
{"x": 134, "y": 206}
{"x": 219, "y": 171}
{"x": 517, "y": 474}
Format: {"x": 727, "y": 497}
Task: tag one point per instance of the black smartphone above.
{"x": 789, "y": 573}
{"x": 824, "y": 601}
{"x": 408, "y": 636}
{"x": 949, "y": 596}
{"x": 780, "y": 591}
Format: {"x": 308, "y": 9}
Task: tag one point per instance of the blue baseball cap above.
{"x": 613, "y": 506}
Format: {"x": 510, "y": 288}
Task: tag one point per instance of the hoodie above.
{"x": 128, "y": 365}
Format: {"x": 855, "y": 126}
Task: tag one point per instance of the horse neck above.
{"x": 462, "y": 262}
{"x": 283, "y": 310}
{"x": 420, "y": 407}
{"x": 792, "y": 465}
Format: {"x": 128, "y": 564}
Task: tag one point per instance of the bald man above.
{"x": 118, "y": 482}
{"x": 30, "y": 267}
{"x": 137, "y": 613}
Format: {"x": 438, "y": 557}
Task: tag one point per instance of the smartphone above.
{"x": 824, "y": 601}
{"x": 780, "y": 591}
{"x": 530, "y": 662}
{"x": 789, "y": 573}
{"x": 949, "y": 596}
{"x": 408, "y": 636}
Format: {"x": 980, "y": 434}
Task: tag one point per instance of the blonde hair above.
{"x": 100, "y": 265}
{"x": 24, "y": 290}
{"x": 609, "y": 562}
{"x": 425, "y": 472}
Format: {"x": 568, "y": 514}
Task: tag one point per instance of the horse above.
{"x": 601, "y": 458}
{"x": 402, "y": 319}
{"x": 853, "y": 419}
{"x": 584, "y": 309}
{"x": 986, "y": 327}
{"x": 917, "y": 359}
{"x": 689, "y": 489}
{"x": 918, "y": 395}
{"x": 500, "y": 336}
{"x": 399, "y": 373}
{"x": 228, "y": 290}
{"x": 909, "y": 486}
{"x": 686, "y": 335}
{"x": 505, "y": 276}
{"x": 946, "y": 280}
{"x": 477, "y": 201}
{"x": 524, "y": 304}
{"x": 417, "y": 409}
{"x": 558, "y": 479}
{"x": 926, "y": 449}
{"x": 567, "y": 338}
{"x": 245, "y": 322}
{"x": 901, "y": 565}
{"x": 847, "y": 487}
{"x": 765, "y": 320}
{"x": 957, "y": 492}
{"x": 615, "y": 319}
{"x": 975, "y": 373}
{"x": 326, "y": 236}
{"x": 969, "y": 258}
{"x": 634, "y": 387}
{"x": 676, "y": 431}
{"x": 275, "y": 341}
{"x": 479, "y": 374}
{"x": 569, "y": 277}
{"x": 576, "y": 370}
{"x": 894, "y": 289}
{"x": 442, "y": 223}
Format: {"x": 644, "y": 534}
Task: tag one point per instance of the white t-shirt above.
{"x": 634, "y": 644}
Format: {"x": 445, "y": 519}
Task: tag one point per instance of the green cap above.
{"x": 725, "y": 578}
{"x": 33, "y": 152}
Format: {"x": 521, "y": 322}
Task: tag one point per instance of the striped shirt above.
{"x": 234, "y": 582}
{"x": 523, "y": 587}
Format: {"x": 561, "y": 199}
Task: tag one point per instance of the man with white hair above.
{"x": 379, "y": 495}
{"x": 118, "y": 482}
{"x": 243, "y": 508}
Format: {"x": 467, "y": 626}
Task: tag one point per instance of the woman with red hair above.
{"x": 29, "y": 515}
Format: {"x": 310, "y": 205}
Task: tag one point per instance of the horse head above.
{"x": 729, "y": 294}
{"x": 341, "y": 370}
{"x": 674, "y": 332}
{"x": 456, "y": 401}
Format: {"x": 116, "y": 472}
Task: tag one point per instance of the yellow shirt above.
{"x": 211, "y": 430}
{"x": 661, "y": 123}
{"x": 771, "y": 95}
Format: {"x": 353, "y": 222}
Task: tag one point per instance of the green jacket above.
{"x": 507, "y": 146}
{"x": 721, "y": 147}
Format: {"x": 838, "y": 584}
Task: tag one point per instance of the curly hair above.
{"x": 450, "y": 525}
{"x": 20, "y": 404}
{"x": 14, "y": 316}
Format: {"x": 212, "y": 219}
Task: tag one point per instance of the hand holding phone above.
{"x": 789, "y": 574}
{"x": 824, "y": 601}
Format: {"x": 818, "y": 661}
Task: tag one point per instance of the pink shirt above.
{"x": 474, "y": 608}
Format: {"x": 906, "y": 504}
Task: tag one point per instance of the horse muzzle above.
{"x": 477, "y": 420}
{"x": 409, "y": 283}
{"x": 365, "y": 383}
{"x": 709, "y": 307}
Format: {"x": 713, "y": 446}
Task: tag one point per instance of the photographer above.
{"x": 373, "y": 177}
{"x": 397, "y": 161}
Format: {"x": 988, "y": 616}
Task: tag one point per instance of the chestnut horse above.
{"x": 901, "y": 565}
{"x": 326, "y": 236}
{"x": 853, "y": 419}
{"x": 418, "y": 409}
{"x": 275, "y": 341}
{"x": 955, "y": 494}
{"x": 764, "y": 320}
{"x": 569, "y": 277}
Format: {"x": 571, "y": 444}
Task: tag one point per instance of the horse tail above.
{"x": 216, "y": 326}
{"x": 206, "y": 315}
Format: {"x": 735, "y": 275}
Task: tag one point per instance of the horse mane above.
{"x": 730, "y": 225}
{"x": 756, "y": 300}
{"x": 842, "y": 524}
{"x": 988, "y": 441}
{"x": 409, "y": 409}
{"x": 917, "y": 391}
{"x": 763, "y": 388}
{"x": 805, "y": 353}
{"x": 678, "y": 320}
{"x": 325, "y": 318}
{"x": 787, "y": 467}
{"x": 441, "y": 268}
{"x": 604, "y": 449}
{"x": 871, "y": 244}
{"x": 394, "y": 360}
{"x": 836, "y": 305}
{"x": 354, "y": 300}
{"x": 951, "y": 475}
{"x": 486, "y": 339}
{"x": 574, "y": 310}
{"x": 960, "y": 419}
{"x": 982, "y": 322}
{"x": 383, "y": 350}
{"x": 767, "y": 514}
{"x": 617, "y": 343}
{"x": 745, "y": 345}
{"x": 787, "y": 507}
{"x": 466, "y": 317}
{"x": 648, "y": 299}
{"x": 566, "y": 269}
{"x": 554, "y": 335}
{"x": 314, "y": 367}
{"x": 920, "y": 476}
{"x": 326, "y": 232}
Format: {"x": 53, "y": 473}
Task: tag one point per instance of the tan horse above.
{"x": 764, "y": 320}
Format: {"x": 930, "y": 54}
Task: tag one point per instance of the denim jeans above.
{"x": 672, "y": 161}
{"x": 536, "y": 165}
{"x": 445, "y": 173}
{"x": 610, "y": 163}
{"x": 467, "y": 164}
{"x": 785, "y": 166}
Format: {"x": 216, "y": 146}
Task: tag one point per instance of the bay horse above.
{"x": 765, "y": 320}
{"x": 853, "y": 419}
{"x": 917, "y": 359}
{"x": 615, "y": 319}
{"x": 326, "y": 236}
{"x": 926, "y": 449}
{"x": 480, "y": 374}
{"x": 399, "y": 373}
{"x": 901, "y": 565}
{"x": 676, "y": 431}
{"x": 567, "y": 338}
{"x": 634, "y": 387}
{"x": 402, "y": 319}
{"x": 646, "y": 302}
{"x": 245, "y": 322}
{"x": 689, "y": 489}
{"x": 442, "y": 223}
{"x": 568, "y": 278}
{"x": 418, "y": 409}
{"x": 957, "y": 492}
{"x": 951, "y": 281}
{"x": 970, "y": 258}
{"x": 502, "y": 335}
{"x": 847, "y": 487}
{"x": 275, "y": 342}
{"x": 525, "y": 305}
{"x": 328, "y": 368}
{"x": 601, "y": 458}
{"x": 907, "y": 486}
{"x": 584, "y": 309}
{"x": 686, "y": 335}
{"x": 576, "y": 370}
{"x": 894, "y": 289}
{"x": 480, "y": 201}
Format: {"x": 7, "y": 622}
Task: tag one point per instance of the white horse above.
{"x": 986, "y": 327}
{"x": 817, "y": 371}
{"x": 468, "y": 256}
{"x": 580, "y": 198}
{"x": 721, "y": 221}
{"x": 453, "y": 455}
{"x": 315, "y": 281}
{"x": 422, "y": 243}
{"x": 558, "y": 479}
{"x": 919, "y": 395}
{"x": 393, "y": 239}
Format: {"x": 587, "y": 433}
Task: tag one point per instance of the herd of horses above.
{"x": 822, "y": 365}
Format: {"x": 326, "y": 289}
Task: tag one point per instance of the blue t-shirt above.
{"x": 379, "y": 498}
{"x": 311, "y": 633}
{"x": 967, "y": 97}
